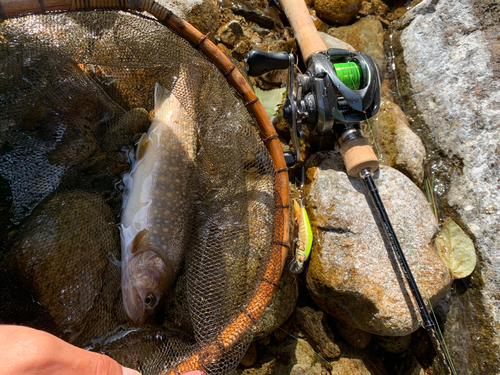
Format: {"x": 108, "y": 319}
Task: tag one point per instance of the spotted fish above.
{"x": 156, "y": 207}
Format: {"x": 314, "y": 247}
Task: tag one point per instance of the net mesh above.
{"x": 76, "y": 94}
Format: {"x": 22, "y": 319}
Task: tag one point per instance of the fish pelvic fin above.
{"x": 137, "y": 240}
{"x": 161, "y": 96}
{"x": 142, "y": 146}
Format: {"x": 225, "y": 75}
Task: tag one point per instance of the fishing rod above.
{"x": 339, "y": 90}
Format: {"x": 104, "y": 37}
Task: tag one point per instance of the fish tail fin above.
{"x": 161, "y": 96}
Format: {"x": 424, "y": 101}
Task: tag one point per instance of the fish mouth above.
{"x": 146, "y": 284}
{"x": 131, "y": 308}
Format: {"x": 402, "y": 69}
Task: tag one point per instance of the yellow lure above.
{"x": 303, "y": 238}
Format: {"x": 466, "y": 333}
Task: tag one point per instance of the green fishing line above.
{"x": 349, "y": 73}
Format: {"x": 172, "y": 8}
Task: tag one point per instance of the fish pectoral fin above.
{"x": 137, "y": 239}
{"x": 161, "y": 96}
{"x": 142, "y": 147}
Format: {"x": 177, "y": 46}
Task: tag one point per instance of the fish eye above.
{"x": 150, "y": 300}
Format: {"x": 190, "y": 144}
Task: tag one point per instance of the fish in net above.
{"x": 76, "y": 95}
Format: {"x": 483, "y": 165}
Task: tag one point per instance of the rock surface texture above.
{"x": 337, "y": 11}
{"x": 452, "y": 57}
{"x": 352, "y": 275}
{"x": 399, "y": 146}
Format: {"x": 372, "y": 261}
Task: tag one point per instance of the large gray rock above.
{"x": 452, "y": 54}
{"x": 351, "y": 274}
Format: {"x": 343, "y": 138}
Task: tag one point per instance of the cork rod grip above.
{"x": 358, "y": 155}
{"x": 303, "y": 27}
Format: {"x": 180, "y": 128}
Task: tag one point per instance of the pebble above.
{"x": 337, "y": 11}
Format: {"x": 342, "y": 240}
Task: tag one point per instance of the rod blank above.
{"x": 428, "y": 322}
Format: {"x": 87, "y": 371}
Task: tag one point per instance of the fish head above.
{"x": 144, "y": 288}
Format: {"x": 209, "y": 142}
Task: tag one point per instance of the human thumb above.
{"x": 129, "y": 371}
{"x": 100, "y": 364}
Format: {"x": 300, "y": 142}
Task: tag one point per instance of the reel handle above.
{"x": 259, "y": 62}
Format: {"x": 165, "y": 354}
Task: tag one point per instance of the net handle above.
{"x": 252, "y": 312}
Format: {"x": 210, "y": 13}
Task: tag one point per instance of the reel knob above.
{"x": 258, "y": 62}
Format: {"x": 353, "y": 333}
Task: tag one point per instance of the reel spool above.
{"x": 339, "y": 90}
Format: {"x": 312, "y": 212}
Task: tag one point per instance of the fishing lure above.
{"x": 302, "y": 242}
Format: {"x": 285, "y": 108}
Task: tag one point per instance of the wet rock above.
{"x": 356, "y": 362}
{"x": 366, "y": 35}
{"x": 397, "y": 13}
{"x": 65, "y": 250}
{"x": 132, "y": 122}
{"x": 462, "y": 330}
{"x": 241, "y": 48}
{"x": 231, "y": 33}
{"x": 332, "y": 42}
{"x": 398, "y": 145}
{"x": 267, "y": 16}
{"x": 256, "y": 34}
{"x": 202, "y": 14}
{"x": 280, "y": 307}
{"x": 412, "y": 367}
{"x": 337, "y": 11}
{"x": 452, "y": 54}
{"x": 352, "y": 275}
{"x": 265, "y": 341}
{"x": 396, "y": 345}
{"x": 315, "y": 327}
{"x": 283, "y": 331}
{"x": 375, "y": 8}
{"x": 250, "y": 356}
{"x": 76, "y": 148}
{"x": 292, "y": 356}
{"x": 354, "y": 336}
{"x": 205, "y": 17}
{"x": 271, "y": 80}
{"x": 53, "y": 134}
{"x": 320, "y": 26}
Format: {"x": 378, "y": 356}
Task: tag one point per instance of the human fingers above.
{"x": 29, "y": 351}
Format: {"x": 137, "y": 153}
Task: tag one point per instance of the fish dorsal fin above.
{"x": 138, "y": 238}
{"x": 161, "y": 96}
{"x": 142, "y": 147}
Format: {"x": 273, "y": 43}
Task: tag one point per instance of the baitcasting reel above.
{"x": 339, "y": 90}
